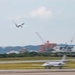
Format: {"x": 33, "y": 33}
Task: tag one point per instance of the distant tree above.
{"x": 33, "y": 54}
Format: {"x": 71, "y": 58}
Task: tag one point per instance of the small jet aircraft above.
{"x": 59, "y": 63}
{"x": 48, "y": 64}
{"x": 20, "y": 25}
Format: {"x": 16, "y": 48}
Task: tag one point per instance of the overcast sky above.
{"x": 54, "y": 20}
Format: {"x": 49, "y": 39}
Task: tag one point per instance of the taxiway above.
{"x": 39, "y": 72}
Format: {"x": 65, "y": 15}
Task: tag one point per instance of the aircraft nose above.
{"x": 45, "y": 64}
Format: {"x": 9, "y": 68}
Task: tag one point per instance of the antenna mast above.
{"x": 72, "y": 39}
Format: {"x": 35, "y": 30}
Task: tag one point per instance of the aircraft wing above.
{"x": 55, "y": 65}
{"x": 58, "y": 66}
{"x": 22, "y": 23}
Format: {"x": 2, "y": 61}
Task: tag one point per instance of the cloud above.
{"x": 41, "y": 12}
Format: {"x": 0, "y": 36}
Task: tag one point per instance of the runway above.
{"x": 28, "y": 61}
{"x": 39, "y": 72}
{"x": 25, "y": 61}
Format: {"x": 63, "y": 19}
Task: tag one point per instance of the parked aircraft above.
{"x": 59, "y": 63}
{"x": 19, "y": 25}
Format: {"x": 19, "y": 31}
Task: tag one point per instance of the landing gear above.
{"x": 60, "y": 67}
{"x": 47, "y": 67}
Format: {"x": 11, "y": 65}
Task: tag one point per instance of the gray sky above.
{"x": 54, "y": 20}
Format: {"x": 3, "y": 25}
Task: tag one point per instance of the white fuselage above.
{"x": 57, "y": 63}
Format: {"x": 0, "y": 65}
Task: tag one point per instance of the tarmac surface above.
{"x": 26, "y": 61}
{"x": 39, "y": 72}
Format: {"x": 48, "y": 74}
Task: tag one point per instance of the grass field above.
{"x": 33, "y": 65}
{"x": 34, "y": 58}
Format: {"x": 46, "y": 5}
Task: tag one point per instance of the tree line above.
{"x": 33, "y": 54}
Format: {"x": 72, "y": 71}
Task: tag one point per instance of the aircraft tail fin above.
{"x": 63, "y": 58}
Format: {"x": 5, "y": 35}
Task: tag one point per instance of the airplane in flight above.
{"x": 59, "y": 63}
{"x": 19, "y": 25}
